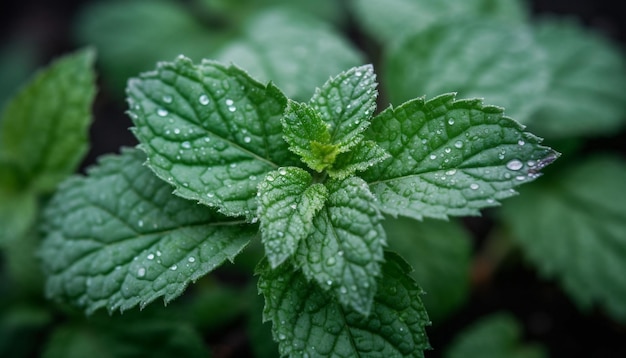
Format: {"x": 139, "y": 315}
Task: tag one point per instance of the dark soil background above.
{"x": 548, "y": 315}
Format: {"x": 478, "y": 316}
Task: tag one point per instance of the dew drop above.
{"x": 433, "y": 157}
{"x": 141, "y": 272}
{"x": 158, "y": 253}
{"x": 232, "y": 108}
{"x": 167, "y": 99}
{"x": 358, "y": 73}
{"x": 203, "y": 99}
{"x": 451, "y": 172}
{"x": 521, "y": 142}
{"x": 191, "y": 259}
{"x": 282, "y": 337}
{"x": 329, "y": 282}
{"x": 207, "y": 139}
{"x": 447, "y": 150}
{"x": 247, "y": 139}
{"x": 458, "y": 144}
{"x": 140, "y": 223}
{"x": 176, "y": 131}
{"x": 150, "y": 256}
{"x": 174, "y": 267}
{"x": 162, "y": 112}
{"x": 331, "y": 261}
{"x": 514, "y": 164}
{"x": 451, "y": 121}
{"x": 520, "y": 177}
{"x": 210, "y": 195}
{"x": 282, "y": 171}
{"x": 343, "y": 290}
{"x": 185, "y": 145}
{"x": 474, "y": 186}
{"x": 229, "y": 102}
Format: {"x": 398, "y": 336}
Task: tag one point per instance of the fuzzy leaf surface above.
{"x": 287, "y": 204}
{"x": 578, "y": 231}
{"x": 307, "y": 321}
{"x": 388, "y": 20}
{"x": 118, "y": 238}
{"x": 43, "y": 130}
{"x": 281, "y": 46}
{"x": 344, "y": 251}
{"x": 497, "y": 336}
{"x": 346, "y": 102}
{"x": 364, "y": 155}
{"x": 587, "y": 91}
{"x": 439, "y": 252}
{"x": 210, "y": 130}
{"x": 306, "y": 134}
{"x": 496, "y": 61}
{"x": 450, "y": 157}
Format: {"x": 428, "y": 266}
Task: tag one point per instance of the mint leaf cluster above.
{"x": 313, "y": 180}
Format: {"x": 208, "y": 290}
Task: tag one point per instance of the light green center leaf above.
{"x": 346, "y": 102}
{"x": 308, "y": 322}
{"x": 210, "y": 130}
{"x": 450, "y": 157}
{"x": 344, "y": 251}
{"x": 119, "y": 238}
{"x": 287, "y": 205}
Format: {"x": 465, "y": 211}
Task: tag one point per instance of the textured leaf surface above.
{"x": 307, "y": 321}
{"x": 132, "y": 36}
{"x": 497, "y": 336}
{"x": 439, "y": 252}
{"x": 283, "y": 46}
{"x": 287, "y": 205}
{"x": 210, "y": 130}
{"x": 364, "y": 155}
{"x": 346, "y": 102}
{"x": 496, "y": 61}
{"x": 308, "y": 136}
{"x": 344, "y": 250}
{"x": 43, "y": 130}
{"x": 587, "y": 91}
{"x": 450, "y": 157}
{"x": 577, "y": 231}
{"x": 387, "y": 20}
{"x": 125, "y": 338}
{"x": 118, "y": 238}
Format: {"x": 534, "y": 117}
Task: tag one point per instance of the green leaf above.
{"x": 364, "y": 155}
{"x": 388, "y": 20}
{"x": 125, "y": 338}
{"x": 346, "y": 103}
{"x": 345, "y": 249}
{"x": 497, "y": 61}
{"x": 450, "y": 157}
{"x": 132, "y": 35}
{"x": 573, "y": 229}
{"x": 43, "y": 131}
{"x": 587, "y": 92}
{"x": 439, "y": 253}
{"x": 496, "y": 336}
{"x": 309, "y": 322}
{"x": 210, "y": 130}
{"x": 308, "y": 136}
{"x": 286, "y": 47}
{"x": 18, "y": 212}
{"x": 287, "y": 204}
{"x": 118, "y": 238}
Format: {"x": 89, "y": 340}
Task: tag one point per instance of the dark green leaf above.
{"x": 439, "y": 253}
{"x": 210, "y": 130}
{"x": 450, "y": 157}
{"x": 496, "y": 61}
{"x": 587, "y": 92}
{"x": 43, "y": 131}
{"x": 497, "y": 336}
{"x": 118, "y": 238}
{"x": 293, "y": 50}
{"x": 307, "y": 321}
{"x": 574, "y": 230}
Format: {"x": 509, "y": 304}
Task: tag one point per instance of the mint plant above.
{"x": 313, "y": 180}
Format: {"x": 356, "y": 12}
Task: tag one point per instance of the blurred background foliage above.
{"x": 547, "y": 269}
